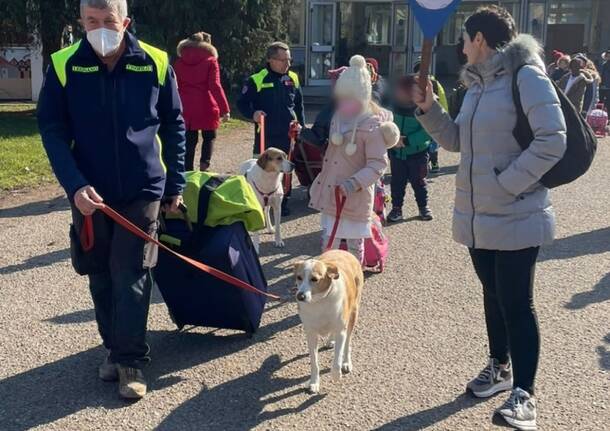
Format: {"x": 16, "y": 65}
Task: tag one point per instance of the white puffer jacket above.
{"x": 499, "y": 203}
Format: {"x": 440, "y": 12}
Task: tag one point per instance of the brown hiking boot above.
{"x": 108, "y": 371}
{"x": 131, "y": 382}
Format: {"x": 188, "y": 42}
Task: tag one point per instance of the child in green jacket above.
{"x": 409, "y": 159}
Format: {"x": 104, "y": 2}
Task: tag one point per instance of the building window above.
{"x": 513, "y": 7}
{"x": 454, "y": 27}
{"x": 401, "y": 22}
{"x": 535, "y": 20}
{"x": 569, "y": 25}
{"x": 378, "y": 20}
{"x": 366, "y": 29}
{"x": 322, "y": 25}
{"x": 418, "y": 36}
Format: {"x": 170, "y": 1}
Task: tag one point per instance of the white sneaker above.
{"x": 519, "y": 410}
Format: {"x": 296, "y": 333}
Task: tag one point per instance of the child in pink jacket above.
{"x": 360, "y": 135}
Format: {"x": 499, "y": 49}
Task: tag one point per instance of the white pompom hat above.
{"x": 355, "y": 81}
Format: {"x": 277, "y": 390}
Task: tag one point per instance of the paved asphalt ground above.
{"x": 420, "y": 338}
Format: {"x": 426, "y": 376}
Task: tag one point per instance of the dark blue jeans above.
{"x": 122, "y": 286}
{"x": 413, "y": 170}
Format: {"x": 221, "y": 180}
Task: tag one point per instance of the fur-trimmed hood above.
{"x": 524, "y": 49}
{"x": 382, "y": 120}
{"x": 205, "y": 46}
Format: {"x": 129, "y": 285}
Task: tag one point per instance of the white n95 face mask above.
{"x": 105, "y": 41}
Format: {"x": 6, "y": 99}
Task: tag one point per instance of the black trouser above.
{"x": 434, "y": 158}
{"x": 508, "y": 295}
{"x": 207, "y": 147}
{"x": 281, "y": 141}
{"x": 413, "y": 170}
{"x": 122, "y": 285}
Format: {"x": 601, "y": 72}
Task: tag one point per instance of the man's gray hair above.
{"x": 119, "y": 6}
{"x": 276, "y": 47}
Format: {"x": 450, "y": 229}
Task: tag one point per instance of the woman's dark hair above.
{"x": 495, "y": 24}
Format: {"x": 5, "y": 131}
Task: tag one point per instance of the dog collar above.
{"x": 265, "y": 196}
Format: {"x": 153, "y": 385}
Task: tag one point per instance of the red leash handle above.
{"x": 293, "y": 134}
{"x": 261, "y": 129}
{"x": 87, "y": 238}
{"x": 123, "y": 222}
{"x": 340, "y": 204}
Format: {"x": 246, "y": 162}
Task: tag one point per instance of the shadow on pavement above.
{"x": 426, "y": 418}
{"x": 240, "y": 403}
{"x": 582, "y": 244}
{"x": 53, "y": 391}
{"x": 604, "y": 354}
{"x": 59, "y": 203}
{"x": 275, "y": 260}
{"x": 84, "y": 316}
{"x": 599, "y": 293}
{"x": 445, "y": 170}
{"x": 46, "y": 259}
{"x": 80, "y": 316}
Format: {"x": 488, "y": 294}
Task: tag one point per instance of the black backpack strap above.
{"x": 522, "y": 132}
{"x": 206, "y": 193}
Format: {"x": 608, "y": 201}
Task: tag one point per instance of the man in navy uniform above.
{"x": 274, "y": 92}
{"x": 111, "y": 123}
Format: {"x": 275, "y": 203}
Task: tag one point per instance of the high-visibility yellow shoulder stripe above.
{"x": 259, "y": 77}
{"x": 160, "y": 143}
{"x": 160, "y": 58}
{"x": 295, "y": 78}
{"x": 60, "y": 60}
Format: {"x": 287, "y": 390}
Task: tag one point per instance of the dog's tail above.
{"x": 246, "y": 166}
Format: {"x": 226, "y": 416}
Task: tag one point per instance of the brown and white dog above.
{"x": 328, "y": 296}
{"x": 266, "y": 175}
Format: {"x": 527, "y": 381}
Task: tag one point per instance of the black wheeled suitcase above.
{"x": 196, "y": 298}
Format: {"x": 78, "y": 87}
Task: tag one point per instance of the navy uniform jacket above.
{"x": 121, "y": 132}
{"x": 280, "y": 97}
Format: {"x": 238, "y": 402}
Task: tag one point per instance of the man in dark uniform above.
{"x": 274, "y": 92}
{"x": 111, "y": 122}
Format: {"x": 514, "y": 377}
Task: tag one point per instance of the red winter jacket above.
{"x": 203, "y": 98}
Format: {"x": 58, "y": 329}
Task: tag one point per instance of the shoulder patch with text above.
{"x": 134, "y": 68}
{"x": 84, "y": 69}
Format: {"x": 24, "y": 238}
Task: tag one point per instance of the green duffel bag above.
{"x": 222, "y": 200}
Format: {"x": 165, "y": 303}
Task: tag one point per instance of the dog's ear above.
{"x": 298, "y": 266}
{"x": 262, "y": 161}
{"x": 332, "y": 271}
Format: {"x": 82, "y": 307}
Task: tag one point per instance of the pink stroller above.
{"x": 598, "y": 120}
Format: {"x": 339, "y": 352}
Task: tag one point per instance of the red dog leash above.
{"x": 87, "y": 240}
{"x": 293, "y": 134}
{"x": 340, "y": 204}
{"x": 261, "y": 129}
